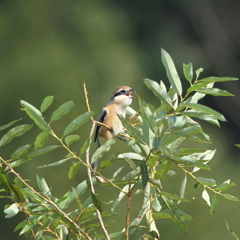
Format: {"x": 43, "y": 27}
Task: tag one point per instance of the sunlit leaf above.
{"x": 62, "y": 110}
{"x": 36, "y": 116}
{"x": 100, "y": 151}
{"x": 224, "y": 186}
{"x": 188, "y": 71}
{"x": 131, "y": 155}
{"x": 230, "y": 197}
{"x": 46, "y": 103}
{"x": 158, "y": 91}
{"x": 76, "y": 123}
{"x": 163, "y": 169}
{"x": 14, "y": 132}
{"x": 183, "y": 188}
{"x": 205, "y": 109}
{"x": 206, "y": 197}
{"x": 206, "y": 181}
{"x": 214, "y": 91}
{"x": 198, "y": 71}
{"x": 171, "y": 72}
{"x": 11, "y": 211}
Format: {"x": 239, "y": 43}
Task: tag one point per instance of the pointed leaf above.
{"x": 214, "y": 204}
{"x": 224, "y": 186}
{"x": 36, "y": 116}
{"x": 158, "y": 91}
{"x": 198, "y": 71}
{"x": 73, "y": 169}
{"x": 207, "y": 110}
{"x": 100, "y": 151}
{"x": 163, "y": 170}
{"x": 21, "y": 151}
{"x": 85, "y": 145}
{"x": 71, "y": 138}
{"x": 188, "y": 71}
{"x": 76, "y": 123}
{"x": 144, "y": 173}
{"x": 171, "y": 72}
{"x": 183, "y": 187}
{"x": 214, "y": 91}
{"x": 230, "y": 230}
{"x": 43, "y": 151}
{"x": 55, "y": 163}
{"x": 96, "y": 202}
{"x": 9, "y": 124}
{"x": 62, "y": 110}
{"x": 206, "y": 181}
{"x": 40, "y": 139}
{"x": 14, "y": 132}
{"x": 230, "y": 197}
{"x": 46, "y": 103}
{"x": 206, "y": 197}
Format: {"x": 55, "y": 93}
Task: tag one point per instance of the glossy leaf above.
{"x": 171, "y": 72}
{"x": 62, "y": 110}
{"x": 158, "y": 91}
{"x": 198, "y": 71}
{"x": 205, "y": 109}
{"x": 224, "y": 186}
{"x": 55, "y": 163}
{"x": 76, "y": 123}
{"x": 9, "y": 124}
{"x": 206, "y": 181}
{"x": 131, "y": 155}
{"x": 214, "y": 91}
{"x": 183, "y": 188}
{"x": 206, "y": 197}
{"x": 14, "y": 132}
{"x": 188, "y": 71}
{"x": 46, "y": 103}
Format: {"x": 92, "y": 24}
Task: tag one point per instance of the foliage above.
{"x": 155, "y": 136}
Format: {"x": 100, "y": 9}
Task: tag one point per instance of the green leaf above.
{"x": 85, "y": 145}
{"x": 169, "y": 213}
{"x": 55, "y": 163}
{"x": 230, "y": 197}
{"x": 43, "y": 151}
{"x": 62, "y": 110}
{"x": 171, "y": 72}
{"x": 14, "y": 132}
{"x": 26, "y": 228}
{"x": 131, "y": 155}
{"x": 218, "y": 79}
{"x": 158, "y": 91}
{"x": 100, "y": 151}
{"x": 163, "y": 169}
{"x": 206, "y": 110}
{"x": 76, "y": 123}
{"x": 46, "y": 103}
{"x": 11, "y": 211}
{"x": 71, "y": 138}
{"x": 206, "y": 181}
{"x": 214, "y": 204}
{"x": 198, "y": 71}
{"x": 183, "y": 187}
{"x": 73, "y": 169}
{"x": 40, "y": 139}
{"x": 96, "y": 202}
{"x": 224, "y": 186}
{"x": 214, "y": 91}
{"x": 237, "y": 145}
{"x": 36, "y": 116}
{"x": 144, "y": 173}
{"x": 42, "y": 184}
{"x": 21, "y": 151}
{"x": 9, "y": 124}
{"x": 108, "y": 162}
{"x": 230, "y": 230}
{"x": 188, "y": 71}
{"x": 206, "y": 197}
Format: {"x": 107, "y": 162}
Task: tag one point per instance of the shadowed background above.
{"x": 52, "y": 47}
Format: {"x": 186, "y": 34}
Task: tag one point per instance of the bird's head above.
{"x": 122, "y": 96}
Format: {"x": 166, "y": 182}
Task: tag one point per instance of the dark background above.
{"x": 52, "y": 47}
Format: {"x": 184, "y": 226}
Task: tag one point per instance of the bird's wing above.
{"x": 100, "y": 119}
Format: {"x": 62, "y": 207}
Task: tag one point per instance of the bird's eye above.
{"x": 122, "y": 91}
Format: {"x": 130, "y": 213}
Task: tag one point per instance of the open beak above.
{"x": 129, "y": 93}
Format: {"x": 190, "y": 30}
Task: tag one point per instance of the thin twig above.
{"x": 89, "y": 171}
{"x": 48, "y": 200}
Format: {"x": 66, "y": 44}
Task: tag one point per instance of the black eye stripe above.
{"x": 122, "y": 92}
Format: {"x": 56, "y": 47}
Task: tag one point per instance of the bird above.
{"x": 117, "y": 105}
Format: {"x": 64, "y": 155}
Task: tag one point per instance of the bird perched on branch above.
{"x": 111, "y": 125}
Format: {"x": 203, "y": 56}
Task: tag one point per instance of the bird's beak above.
{"x": 130, "y": 92}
